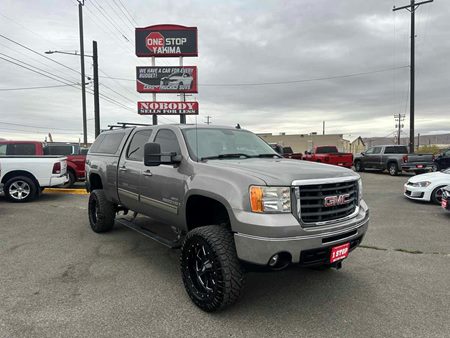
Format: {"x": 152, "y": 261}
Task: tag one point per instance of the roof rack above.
{"x": 127, "y": 125}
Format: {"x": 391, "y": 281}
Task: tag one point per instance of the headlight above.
{"x": 360, "y": 190}
{"x": 421, "y": 184}
{"x": 270, "y": 199}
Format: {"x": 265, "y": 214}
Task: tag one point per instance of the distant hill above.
{"x": 440, "y": 140}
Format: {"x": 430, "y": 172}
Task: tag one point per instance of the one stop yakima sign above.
{"x": 166, "y": 41}
{"x": 168, "y": 108}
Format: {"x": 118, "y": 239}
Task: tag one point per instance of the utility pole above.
{"x": 182, "y": 98}
{"x": 96, "y": 93}
{"x": 418, "y": 140}
{"x": 412, "y": 9}
{"x": 399, "y": 118}
{"x": 208, "y": 120}
{"x": 83, "y": 80}
{"x": 323, "y": 128}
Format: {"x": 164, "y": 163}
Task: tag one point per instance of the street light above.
{"x": 94, "y": 57}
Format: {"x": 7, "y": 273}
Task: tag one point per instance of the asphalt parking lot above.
{"x": 58, "y": 278}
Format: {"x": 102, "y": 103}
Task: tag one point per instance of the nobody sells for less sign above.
{"x": 167, "y": 108}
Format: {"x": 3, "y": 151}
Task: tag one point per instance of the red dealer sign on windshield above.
{"x": 166, "y": 41}
{"x": 168, "y": 108}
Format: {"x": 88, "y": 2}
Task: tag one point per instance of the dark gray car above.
{"x": 227, "y": 199}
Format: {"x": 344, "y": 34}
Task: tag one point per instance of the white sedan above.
{"x": 427, "y": 187}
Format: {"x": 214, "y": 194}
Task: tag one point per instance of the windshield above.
{"x": 215, "y": 142}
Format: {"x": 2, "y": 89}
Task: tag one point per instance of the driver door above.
{"x": 162, "y": 188}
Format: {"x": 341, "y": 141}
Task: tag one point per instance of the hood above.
{"x": 282, "y": 171}
{"x": 428, "y": 177}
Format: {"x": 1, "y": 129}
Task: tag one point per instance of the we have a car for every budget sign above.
{"x": 166, "y": 79}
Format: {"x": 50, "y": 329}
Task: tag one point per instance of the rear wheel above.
{"x": 436, "y": 195}
{"x": 20, "y": 189}
{"x": 211, "y": 272}
{"x": 101, "y": 212}
{"x": 71, "y": 181}
{"x": 393, "y": 169}
{"x": 358, "y": 166}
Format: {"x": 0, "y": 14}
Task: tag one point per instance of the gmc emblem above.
{"x": 332, "y": 201}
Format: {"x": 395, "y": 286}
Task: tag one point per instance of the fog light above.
{"x": 273, "y": 260}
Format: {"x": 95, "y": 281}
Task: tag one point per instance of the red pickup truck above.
{"x": 75, "y": 158}
{"x": 329, "y": 155}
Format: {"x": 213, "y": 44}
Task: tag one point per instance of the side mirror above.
{"x": 152, "y": 154}
{"x": 363, "y": 153}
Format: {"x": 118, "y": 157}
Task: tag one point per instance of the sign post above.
{"x": 167, "y": 41}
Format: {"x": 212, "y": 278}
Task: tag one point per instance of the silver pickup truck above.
{"x": 227, "y": 199}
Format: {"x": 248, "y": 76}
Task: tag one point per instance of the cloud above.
{"x": 240, "y": 42}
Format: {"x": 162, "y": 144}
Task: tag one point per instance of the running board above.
{"x": 164, "y": 241}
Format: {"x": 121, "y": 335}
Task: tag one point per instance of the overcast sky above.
{"x": 240, "y": 42}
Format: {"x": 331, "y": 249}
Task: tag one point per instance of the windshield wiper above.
{"x": 267, "y": 155}
{"x": 222, "y": 156}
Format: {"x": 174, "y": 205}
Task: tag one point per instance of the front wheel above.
{"x": 101, "y": 212}
{"x": 211, "y": 272}
{"x": 393, "y": 169}
{"x": 436, "y": 195}
{"x": 20, "y": 189}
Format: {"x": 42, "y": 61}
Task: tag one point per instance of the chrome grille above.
{"x": 312, "y": 201}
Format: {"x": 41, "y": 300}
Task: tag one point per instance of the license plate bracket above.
{"x": 339, "y": 252}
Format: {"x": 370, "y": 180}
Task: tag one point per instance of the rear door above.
{"x": 131, "y": 168}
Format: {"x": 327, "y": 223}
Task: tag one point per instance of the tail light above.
{"x": 57, "y": 168}
{"x": 405, "y": 159}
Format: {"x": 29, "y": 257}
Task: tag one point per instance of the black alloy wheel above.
{"x": 211, "y": 271}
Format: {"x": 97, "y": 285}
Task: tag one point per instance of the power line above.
{"x": 40, "y": 54}
{"x": 37, "y": 127}
{"x": 304, "y": 80}
{"x": 102, "y": 12}
{"x": 128, "y": 12}
{"x": 285, "y": 82}
{"x": 30, "y": 88}
{"x": 125, "y": 15}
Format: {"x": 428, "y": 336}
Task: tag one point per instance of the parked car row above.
{"x": 76, "y": 155}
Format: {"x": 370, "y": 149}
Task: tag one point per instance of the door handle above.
{"x": 147, "y": 173}
{"x": 122, "y": 168}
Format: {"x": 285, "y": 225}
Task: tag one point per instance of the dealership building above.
{"x": 301, "y": 142}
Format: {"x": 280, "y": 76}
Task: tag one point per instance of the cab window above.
{"x": 135, "y": 150}
{"x": 168, "y": 141}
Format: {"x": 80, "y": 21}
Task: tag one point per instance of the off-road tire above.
{"x": 359, "y": 166}
{"x": 71, "y": 181}
{"x": 226, "y": 273}
{"x": 27, "y": 193}
{"x": 393, "y": 169}
{"x": 101, "y": 212}
{"x": 435, "y": 195}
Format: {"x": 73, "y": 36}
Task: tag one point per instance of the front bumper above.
{"x": 259, "y": 250}
{"x": 417, "y": 193}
